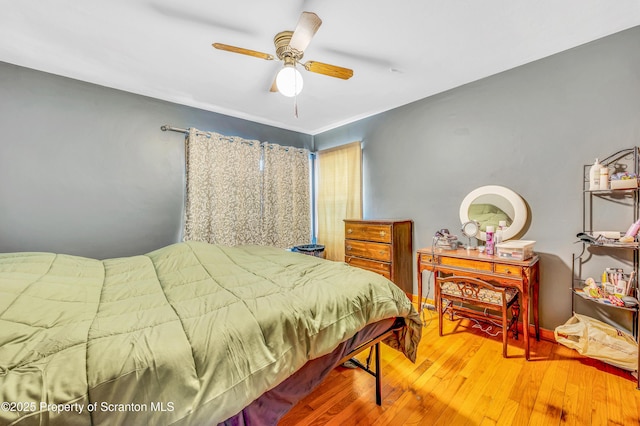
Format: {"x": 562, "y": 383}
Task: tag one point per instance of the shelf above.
{"x": 633, "y": 246}
{"x": 592, "y": 201}
{"x": 611, "y": 191}
{"x": 586, "y": 237}
{"x": 601, "y": 301}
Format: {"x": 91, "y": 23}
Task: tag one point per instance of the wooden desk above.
{"x": 523, "y": 275}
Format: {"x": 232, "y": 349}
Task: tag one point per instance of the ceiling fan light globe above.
{"x": 289, "y": 81}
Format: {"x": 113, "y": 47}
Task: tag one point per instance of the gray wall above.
{"x": 86, "y": 170}
{"x": 530, "y": 129}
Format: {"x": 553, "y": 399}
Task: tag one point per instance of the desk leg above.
{"x": 535, "y": 283}
{"x": 419, "y": 286}
{"x": 525, "y": 319}
{"x": 530, "y": 284}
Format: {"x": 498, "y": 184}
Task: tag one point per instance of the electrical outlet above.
{"x": 428, "y": 306}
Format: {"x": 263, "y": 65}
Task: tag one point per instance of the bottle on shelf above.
{"x": 594, "y": 176}
{"x": 633, "y": 229}
{"x": 499, "y": 234}
{"x": 604, "y": 178}
{"x": 489, "y": 243}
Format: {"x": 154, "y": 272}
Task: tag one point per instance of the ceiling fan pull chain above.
{"x": 295, "y": 96}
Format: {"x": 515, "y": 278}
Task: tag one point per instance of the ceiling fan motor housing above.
{"x": 283, "y": 49}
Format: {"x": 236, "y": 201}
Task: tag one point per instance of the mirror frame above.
{"x": 519, "y": 208}
{"x": 465, "y": 228}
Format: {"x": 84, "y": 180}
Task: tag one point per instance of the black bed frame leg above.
{"x": 377, "y": 372}
{"x": 378, "y": 378}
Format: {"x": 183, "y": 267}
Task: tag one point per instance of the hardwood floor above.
{"x": 462, "y": 379}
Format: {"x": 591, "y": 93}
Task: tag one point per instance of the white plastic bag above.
{"x": 598, "y": 340}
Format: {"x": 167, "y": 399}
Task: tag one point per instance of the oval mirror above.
{"x": 490, "y": 204}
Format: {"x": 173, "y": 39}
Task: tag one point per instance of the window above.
{"x": 339, "y": 195}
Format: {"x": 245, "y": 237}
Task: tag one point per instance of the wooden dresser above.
{"x": 382, "y": 246}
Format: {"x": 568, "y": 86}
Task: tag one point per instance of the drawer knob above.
{"x": 349, "y": 231}
{"x": 349, "y": 248}
{"x": 381, "y": 252}
{"x": 382, "y": 233}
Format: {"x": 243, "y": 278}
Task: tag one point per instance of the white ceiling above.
{"x": 400, "y": 51}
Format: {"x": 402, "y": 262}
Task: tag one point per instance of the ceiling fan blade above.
{"x": 249, "y": 52}
{"x": 330, "y": 70}
{"x": 308, "y": 25}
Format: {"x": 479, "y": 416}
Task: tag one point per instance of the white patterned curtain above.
{"x": 233, "y": 200}
{"x": 286, "y": 196}
{"x": 223, "y": 203}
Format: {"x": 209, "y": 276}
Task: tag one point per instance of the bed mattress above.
{"x": 188, "y": 334}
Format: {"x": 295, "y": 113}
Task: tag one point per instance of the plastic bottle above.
{"x": 499, "y": 236}
{"x": 604, "y": 178}
{"x": 489, "y": 240}
{"x": 594, "y": 176}
{"x": 633, "y": 229}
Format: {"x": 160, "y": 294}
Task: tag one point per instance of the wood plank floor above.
{"x": 462, "y": 379}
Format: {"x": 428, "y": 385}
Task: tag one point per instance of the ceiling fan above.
{"x": 290, "y": 46}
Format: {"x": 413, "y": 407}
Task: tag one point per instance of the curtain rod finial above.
{"x": 167, "y": 128}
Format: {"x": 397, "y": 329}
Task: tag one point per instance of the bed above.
{"x": 189, "y": 334}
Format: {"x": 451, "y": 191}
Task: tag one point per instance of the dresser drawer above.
{"x": 476, "y": 265}
{"x": 511, "y": 270}
{"x": 368, "y": 232}
{"x": 427, "y": 259}
{"x": 382, "y": 268}
{"x": 376, "y": 251}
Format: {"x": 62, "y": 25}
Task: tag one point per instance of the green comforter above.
{"x": 187, "y": 334}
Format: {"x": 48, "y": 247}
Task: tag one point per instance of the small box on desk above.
{"x": 515, "y": 249}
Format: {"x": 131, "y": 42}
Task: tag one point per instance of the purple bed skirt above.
{"x": 275, "y": 403}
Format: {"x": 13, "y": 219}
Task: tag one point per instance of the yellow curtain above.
{"x": 339, "y": 174}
